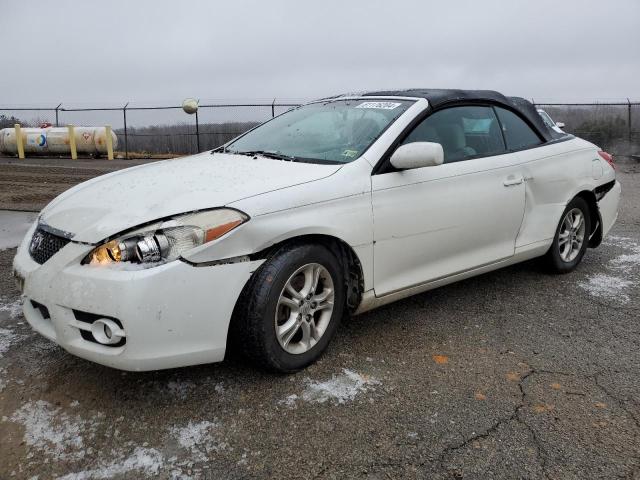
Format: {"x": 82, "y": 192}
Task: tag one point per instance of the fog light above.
{"x": 106, "y": 331}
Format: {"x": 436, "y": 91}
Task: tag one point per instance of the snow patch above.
{"x": 147, "y": 461}
{"x": 630, "y": 259}
{"x": 177, "y": 388}
{"x": 14, "y": 309}
{"x": 199, "y": 438}
{"x": 4, "y": 381}
{"x": 7, "y": 338}
{"x": 181, "y": 389}
{"x": 339, "y": 389}
{"x": 606, "y": 286}
{"x": 618, "y": 241}
{"x": 625, "y": 266}
{"x": 53, "y": 432}
{"x": 627, "y": 260}
{"x": 631, "y": 245}
{"x": 289, "y": 401}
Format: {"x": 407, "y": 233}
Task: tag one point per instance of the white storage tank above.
{"x": 55, "y": 140}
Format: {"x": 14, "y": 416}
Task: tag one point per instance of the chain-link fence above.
{"x": 153, "y": 130}
{"x": 145, "y": 130}
{"x": 613, "y": 126}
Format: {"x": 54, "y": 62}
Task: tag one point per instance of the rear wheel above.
{"x": 290, "y": 309}
{"x": 571, "y": 238}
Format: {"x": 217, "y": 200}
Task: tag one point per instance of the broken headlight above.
{"x": 167, "y": 240}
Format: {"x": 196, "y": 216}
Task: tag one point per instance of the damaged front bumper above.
{"x": 171, "y": 315}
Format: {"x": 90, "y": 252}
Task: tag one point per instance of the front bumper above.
{"x": 173, "y": 315}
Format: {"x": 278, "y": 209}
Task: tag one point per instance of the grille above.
{"x": 45, "y": 245}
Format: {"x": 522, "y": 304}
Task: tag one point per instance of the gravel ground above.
{"x": 31, "y": 183}
{"x": 513, "y": 374}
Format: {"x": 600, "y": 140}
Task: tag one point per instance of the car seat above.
{"x": 454, "y": 142}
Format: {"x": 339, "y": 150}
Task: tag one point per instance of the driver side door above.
{"x": 434, "y": 222}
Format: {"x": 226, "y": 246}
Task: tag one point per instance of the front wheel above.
{"x": 290, "y": 309}
{"x": 571, "y": 238}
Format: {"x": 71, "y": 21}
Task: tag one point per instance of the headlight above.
{"x": 167, "y": 240}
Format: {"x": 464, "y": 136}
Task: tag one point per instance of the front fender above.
{"x": 338, "y": 206}
{"x": 347, "y": 219}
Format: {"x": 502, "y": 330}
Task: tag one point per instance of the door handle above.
{"x": 511, "y": 181}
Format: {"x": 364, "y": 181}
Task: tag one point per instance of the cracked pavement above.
{"x": 513, "y": 374}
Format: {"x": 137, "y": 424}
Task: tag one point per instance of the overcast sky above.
{"x": 111, "y": 52}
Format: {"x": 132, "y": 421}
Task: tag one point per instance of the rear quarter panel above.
{"x": 554, "y": 175}
{"x": 609, "y": 208}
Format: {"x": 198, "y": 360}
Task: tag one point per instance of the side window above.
{"x": 463, "y": 132}
{"x": 517, "y": 133}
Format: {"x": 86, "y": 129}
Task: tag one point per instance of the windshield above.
{"x": 335, "y": 131}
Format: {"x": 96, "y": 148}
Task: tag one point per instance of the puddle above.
{"x": 13, "y": 226}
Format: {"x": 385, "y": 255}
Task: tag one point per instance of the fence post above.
{"x": 273, "y": 108}
{"x": 197, "y": 133}
{"x": 126, "y": 138}
{"x": 109, "y": 140}
{"x": 629, "y": 122}
{"x": 72, "y": 142}
{"x": 19, "y": 143}
{"x": 57, "y": 108}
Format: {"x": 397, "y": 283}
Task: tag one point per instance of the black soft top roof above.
{"x": 441, "y": 97}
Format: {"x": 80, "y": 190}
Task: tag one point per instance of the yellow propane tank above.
{"x": 55, "y": 140}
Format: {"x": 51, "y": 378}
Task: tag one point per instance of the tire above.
{"x": 559, "y": 258}
{"x": 265, "y": 308}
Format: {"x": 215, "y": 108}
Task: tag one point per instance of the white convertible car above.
{"x": 333, "y": 208}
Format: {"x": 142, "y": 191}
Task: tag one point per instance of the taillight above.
{"x": 607, "y": 157}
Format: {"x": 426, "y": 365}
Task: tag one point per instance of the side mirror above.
{"x": 560, "y": 124}
{"x": 417, "y": 155}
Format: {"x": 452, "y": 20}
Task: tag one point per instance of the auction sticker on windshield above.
{"x": 382, "y": 105}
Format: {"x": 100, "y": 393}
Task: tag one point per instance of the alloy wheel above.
{"x": 571, "y": 235}
{"x": 305, "y": 307}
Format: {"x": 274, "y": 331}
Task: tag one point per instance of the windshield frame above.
{"x": 410, "y": 100}
{"x": 546, "y": 118}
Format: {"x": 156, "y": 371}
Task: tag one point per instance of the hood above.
{"x": 112, "y": 203}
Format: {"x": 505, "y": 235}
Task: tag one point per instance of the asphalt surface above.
{"x": 513, "y": 374}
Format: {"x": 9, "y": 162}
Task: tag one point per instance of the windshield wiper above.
{"x": 280, "y": 156}
{"x": 264, "y": 153}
